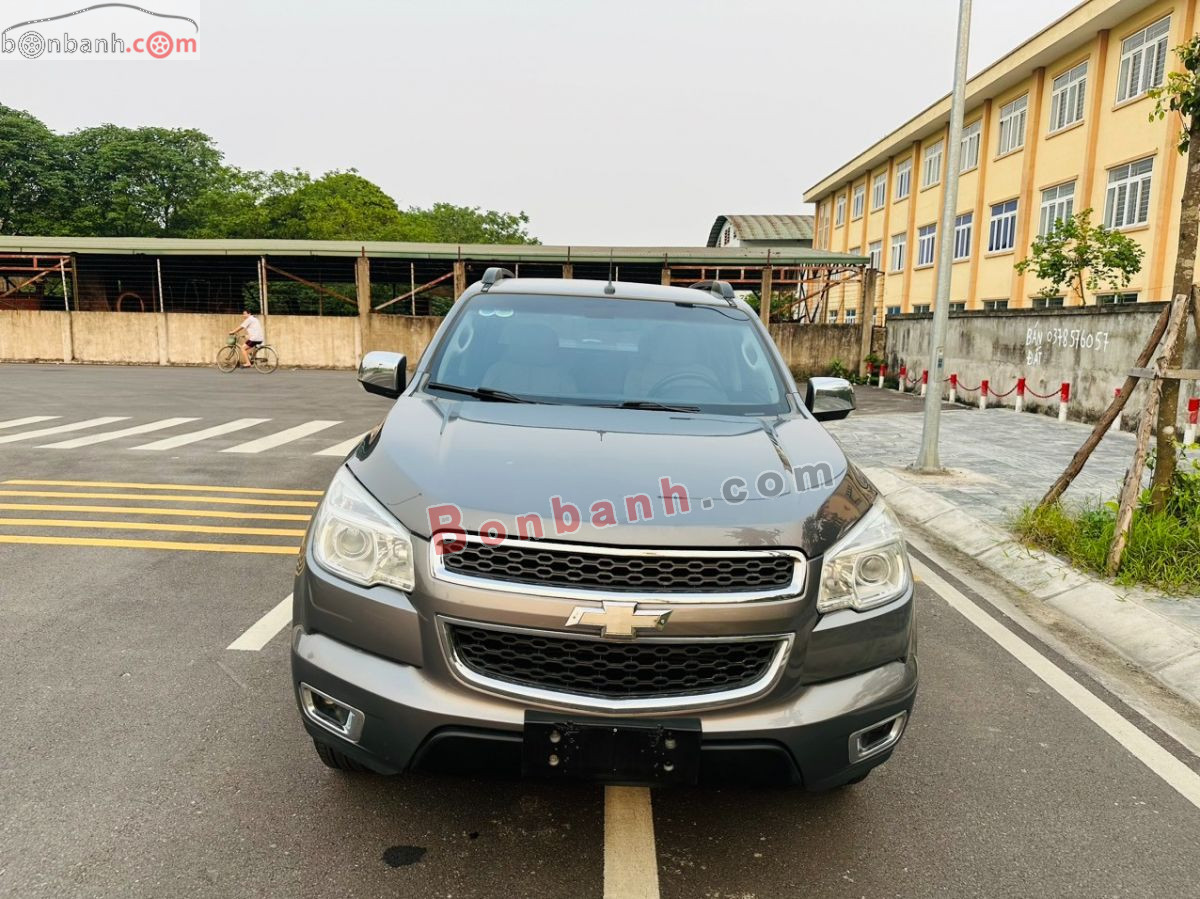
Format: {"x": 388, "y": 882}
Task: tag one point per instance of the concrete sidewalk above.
{"x": 1000, "y": 460}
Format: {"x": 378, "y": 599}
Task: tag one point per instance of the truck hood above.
{"x": 497, "y": 461}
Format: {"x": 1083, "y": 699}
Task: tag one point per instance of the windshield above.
{"x": 584, "y": 351}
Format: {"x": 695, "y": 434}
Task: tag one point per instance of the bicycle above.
{"x": 262, "y": 357}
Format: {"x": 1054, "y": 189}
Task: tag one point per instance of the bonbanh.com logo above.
{"x": 102, "y": 31}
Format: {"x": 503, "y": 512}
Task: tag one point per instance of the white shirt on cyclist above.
{"x": 253, "y": 327}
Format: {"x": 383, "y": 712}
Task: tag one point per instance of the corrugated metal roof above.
{"x": 699, "y": 256}
{"x": 764, "y": 227}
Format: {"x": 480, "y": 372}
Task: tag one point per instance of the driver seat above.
{"x": 663, "y": 352}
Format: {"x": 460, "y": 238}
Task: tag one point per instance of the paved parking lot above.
{"x": 148, "y": 524}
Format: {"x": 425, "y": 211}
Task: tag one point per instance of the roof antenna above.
{"x": 610, "y": 288}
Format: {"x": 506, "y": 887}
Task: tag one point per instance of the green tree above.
{"x": 1080, "y": 256}
{"x": 447, "y": 223}
{"x": 1179, "y": 96}
{"x": 31, "y": 182}
{"x": 337, "y": 206}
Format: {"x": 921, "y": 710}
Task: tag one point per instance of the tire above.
{"x": 337, "y": 760}
{"x": 265, "y": 360}
{"x": 228, "y": 358}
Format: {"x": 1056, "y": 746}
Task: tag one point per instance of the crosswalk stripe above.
{"x": 146, "y": 498}
{"x": 278, "y": 439}
{"x": 63, "y": 429}
{"x": 341, "y": 449}
{"x": 28, "y": 420}
{"x": 149, "y": 544}
{"x": 133, "y": 485}
{"x": 196, "y": 436}
{"x": 137, "y": 510}
{"x": 89, "y": 439}
{"x": 145, "y": 526}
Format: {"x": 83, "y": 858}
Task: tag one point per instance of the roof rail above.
{"x": 494, "y": 274}
{"x": 718, "y": 288}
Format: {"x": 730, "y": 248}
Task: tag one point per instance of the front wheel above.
{"x": 265, "y": 360}
{"x": 228, "y": 358}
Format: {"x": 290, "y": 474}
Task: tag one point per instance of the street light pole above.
{"x": 928, "y": 460}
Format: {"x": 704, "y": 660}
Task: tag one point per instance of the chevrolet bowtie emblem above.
{"x": 618, "y": 619}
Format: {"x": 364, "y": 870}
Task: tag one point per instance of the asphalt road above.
{"x": 141, "y": 757}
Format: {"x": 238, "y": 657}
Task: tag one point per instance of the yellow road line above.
{"x": 135, "y": 486}
{"x": 146, "y": 526}
{"x": 147, "y": 498}
{"x": 150, "y": 544}
{"x": 137, "y": 510}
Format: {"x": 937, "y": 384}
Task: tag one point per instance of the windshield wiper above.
{"x": 480, "y": 393}
{"x": 653, "y": 406}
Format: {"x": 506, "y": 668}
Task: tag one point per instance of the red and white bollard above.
{"x": 983, "y": 389}
{"x": 902, "y": 383}
{"x": 1115, "y": 427}
{"x": 953, "y": 397}
{"x": 1189, "y": 433}
{"x": 1020, "y": 404}
{"x": 1064, "y": 397}
{"x": 924, "y": 381}
{"x": 882, "y": 375}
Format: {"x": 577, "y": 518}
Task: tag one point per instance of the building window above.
{"x": 931, "y": 165}
{"x": 970, "y": 147}
{"x": 879, "y": 191}
{"x": 1127, "y": 201}
{"x": 1002, "y": 234}
{"x": 1012, "y": 124}
{"x": 926, "y": 239}
{"x": 921, "y": 308}
{"x": 1116, "y": 299}
{"x": 1066, "y": 99}
{"x": 851, "y": 315}
{"x": 1143, "y": 60}
{"x": 958, "y": 307}
{"x": 899, "y": 244}
{"x": 963, "y": 225}
{"x": 893, "y": 310}
{"x": 1058, "y": 203}
{"x": 993, "y": 305}
{"x": 875, "y": 251}
{"x": 833, "y": 315}
{"x": 1047, "y": 302}
{"x": 856, "y": 205}
{"x": 903, "y": 178}
{"x": 854, "y": 251}
{"x": 839, "y": 214}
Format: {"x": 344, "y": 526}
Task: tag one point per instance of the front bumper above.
{"x": 412, "y": 721}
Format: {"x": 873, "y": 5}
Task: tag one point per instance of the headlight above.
{"x": 866, "y": 568}
{"x": 358, "y": 539}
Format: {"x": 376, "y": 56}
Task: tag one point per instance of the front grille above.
{"x": 609, "y": 670}
{"x": 568, "y": 568}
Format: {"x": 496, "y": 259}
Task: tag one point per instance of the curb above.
{"x": 1167, "y": 651}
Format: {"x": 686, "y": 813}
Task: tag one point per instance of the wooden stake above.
{"x": 1132, "y": 488}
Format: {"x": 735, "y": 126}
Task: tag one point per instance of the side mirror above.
{"x": 829, "y": 399}
{"x": 383, "y": 373}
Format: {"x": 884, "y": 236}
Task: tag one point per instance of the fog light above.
{"x": 332, "y": 714}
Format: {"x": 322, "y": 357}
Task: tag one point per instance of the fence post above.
{"x": 924, "y": 381}
{"x": 764, "y": 293}
{"x": 882, "y": 375}
{"x": 901, "y": 382}
{"x": 1064, "y": 397}
{"x": 866, "y": 311}
{"x": 1189, "y": 432}
{"x": 1020, "y": 403}
{"x": 983, "y": 390}
{"x": 953, "y": 397}
{"x": 362, "y": 286}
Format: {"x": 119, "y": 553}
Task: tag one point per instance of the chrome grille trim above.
{"x": 556, "y": 699}
{"x": 441, "y": 572}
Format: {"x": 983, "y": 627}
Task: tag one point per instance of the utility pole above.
{"x": 928, "y": 460}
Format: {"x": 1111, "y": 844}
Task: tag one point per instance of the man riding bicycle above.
{"x": 254, "y": 334}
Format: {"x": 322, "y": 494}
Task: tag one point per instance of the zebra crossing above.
{"x": 249, "y": 436}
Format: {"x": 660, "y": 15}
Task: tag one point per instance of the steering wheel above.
{"x": 695, "y": 376}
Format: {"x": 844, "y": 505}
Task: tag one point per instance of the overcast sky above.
{"x": 607, "y": 121}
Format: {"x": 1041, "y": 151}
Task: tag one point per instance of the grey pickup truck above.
{"x": 601, "y": 535}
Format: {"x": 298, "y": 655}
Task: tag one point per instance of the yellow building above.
{"x": 1060, "y": 124}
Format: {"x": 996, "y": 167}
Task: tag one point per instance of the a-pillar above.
{"x": 362, "y": 288}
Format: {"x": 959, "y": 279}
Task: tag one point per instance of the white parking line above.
{"x": 263, "y": 631}
{"x": 196, "y": 436}
{"x": 29, "y": 420}
{"x": 341, "y": 449}
{"x": 63, "y": 429}
{"x": 281, "y": 437}
{"x": 630, "y": 858}
{"x": 1178, "y": 775}
{"x": 89, "y": 439}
